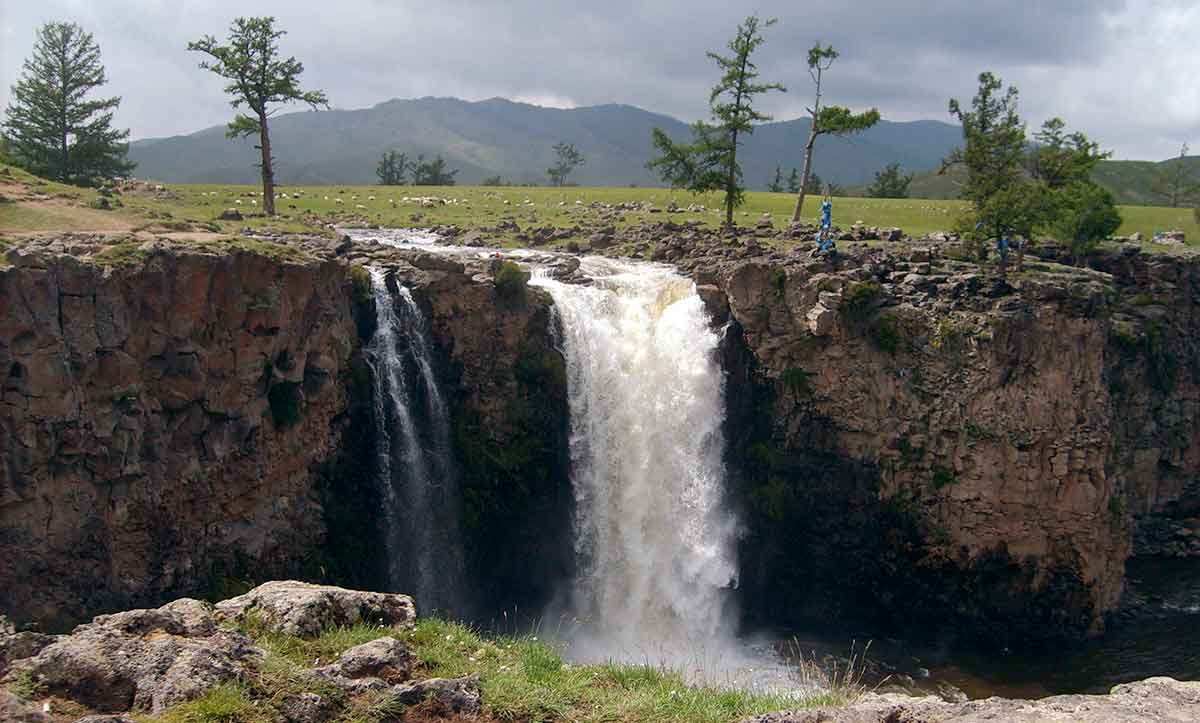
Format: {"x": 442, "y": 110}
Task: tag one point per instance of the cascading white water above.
{"x": 414, "y": 463}
{"x": 654, "y": 540}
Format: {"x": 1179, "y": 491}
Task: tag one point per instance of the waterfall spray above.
{"x": 654, "y": 541}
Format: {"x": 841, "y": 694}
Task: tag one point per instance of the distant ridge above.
{"x": 513, "y": 140}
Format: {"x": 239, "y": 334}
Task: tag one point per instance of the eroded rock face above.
{"x": 926, "y": 442}
{"x": 1153, "y": 699}
{"x": 159, "y": 421}
{"x": 144, "y": 660}
{"x": 305, "y": 610}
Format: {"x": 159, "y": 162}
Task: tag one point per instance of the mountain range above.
{"x": 514, "y": 141}
{"x": 498, "y": 137}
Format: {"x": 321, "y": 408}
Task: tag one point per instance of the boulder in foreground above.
{"x": 1164, "y": 700}
{"x": 304, "y": 610}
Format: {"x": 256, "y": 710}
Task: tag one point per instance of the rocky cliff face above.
{"x": 160, "y": 419}
{"x": 179, "y": 417}
{"x": 928, "y": 444}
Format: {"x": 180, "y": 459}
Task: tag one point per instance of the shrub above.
{"x": 860, "y": 299}
{"x": 511, "y": 280}
{"x": 885, "y": 334}
{"x": 360, "y": 284}
{"x": 942, "y": 477}
{"x": 797, "y": 381}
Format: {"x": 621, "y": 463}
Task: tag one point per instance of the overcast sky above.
{"x": 1125, "y": 72}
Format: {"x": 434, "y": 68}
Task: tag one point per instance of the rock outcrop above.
{"x": 1155, "y": 699}
{"x": 304, "y": 610}
{"x": 145, "y": 660}
{"x": 933, "y": 444}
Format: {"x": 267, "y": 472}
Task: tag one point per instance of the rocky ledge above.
{"x": 1163, "y": 700}
{"x": 146, "y": 661}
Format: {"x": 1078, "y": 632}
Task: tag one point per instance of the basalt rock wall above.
{"x": 160, "y": 421}
{"x": 922, "y": 443}
{"x": 187, "y": 419}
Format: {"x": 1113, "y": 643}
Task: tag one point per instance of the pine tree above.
{"x": 393, "y": 168}
{"x": 569, "y": 158}
{"x": 257, "y": 77}
{"x": 815, "y": 185}
{"x": 890, "y": 183}
{"x": 432, "y": 173}
{"x": 776, "y": 184}
{"x": 709, "y": 162}
{"x": 1004, "y": 201}
{"x": 793, "y": 182}
{"x": 52, "y": 129}
{"x": 1175, "y": 182}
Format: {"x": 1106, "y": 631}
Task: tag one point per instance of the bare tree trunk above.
{"x": 731, "y": 181}
{"x": 268, "y": 173}
{"x": 808, "y": 152}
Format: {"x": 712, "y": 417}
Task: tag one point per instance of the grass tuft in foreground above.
{"x": 523, "y": 679}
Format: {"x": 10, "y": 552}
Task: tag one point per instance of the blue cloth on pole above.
{"x": 826, "y": 213}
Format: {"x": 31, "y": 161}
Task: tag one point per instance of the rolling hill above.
{"x": 1131, "y": 182}
{"x": 514, "y": 140}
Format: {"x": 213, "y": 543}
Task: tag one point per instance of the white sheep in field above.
{"x": 370, "y": 198}
{"x": 253, "y": 202}
{"x": 359, "y": 205}
{"x": 238, "y": 202}
{"x": 338, "y": 200}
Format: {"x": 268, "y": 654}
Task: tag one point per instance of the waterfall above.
{"x": 654, "y": 541}
{"x": 414, "y": 462}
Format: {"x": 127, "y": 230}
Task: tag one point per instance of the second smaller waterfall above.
{"x": 414, "y": 463}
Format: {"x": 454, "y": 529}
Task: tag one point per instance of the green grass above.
{"x": 527, "y": 679}
{"x": 226, "y": 703}
{"x": 523, "y": 679}
{"x": 197, "y": 206}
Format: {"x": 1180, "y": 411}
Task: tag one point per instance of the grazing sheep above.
{"x": 338, "y": 200}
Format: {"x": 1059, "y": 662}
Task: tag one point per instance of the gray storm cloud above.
{"x": 1121, "y": 71}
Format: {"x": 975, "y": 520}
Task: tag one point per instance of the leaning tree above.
{"x": 52, "y": 128}
{"x": 826, "y": 120}
{"x": 258, "y": 78}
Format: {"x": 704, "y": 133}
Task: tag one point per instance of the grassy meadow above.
{"x": 49, "y": 207}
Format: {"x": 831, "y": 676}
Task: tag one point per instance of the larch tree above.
{"x": 258, "y": 79}
{"x": 890, "y": 183}
{"x": 1175, "y": 181}
{"x": 569, "y": 158}
{"x": 826, "y": 120}
{"x": 1003, "y": 199}
{"x": 776, "y": 184}
{"x": 393, "y": 168}
{"x": 709, "y": 162}
{"x": 52, "y": 128}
